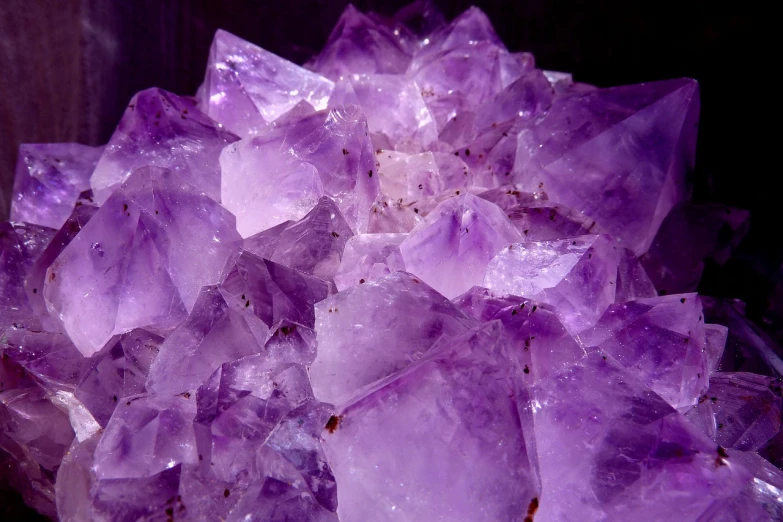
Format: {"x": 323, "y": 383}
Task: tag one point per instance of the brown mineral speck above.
{"x": 114, "y": 398}
{"x": 170, "y": 512}
{"x": 416, "y": 210}
{"x": 369, "y": 173}
{"x": 345, "y": 152}
{"x": 335, "y": 234}
{"x": 226, "y": 493}
{"x": 526, "y": 370}
{"x": 467, "y": 152}
{"x": 52, "y": 276}
{"x": 35, "y": 290}
{"x": 247, "y": 304}
{"x": 531, "y": 509}
{"x": 333, "y": 423}
{"x": 682, "y": 300}
{"x": 361, "y": 281}
{"x": 456, "y": 153}
{"x": 186, "y": 395}
{"x": 124, "y": 207}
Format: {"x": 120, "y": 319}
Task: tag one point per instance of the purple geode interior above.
{"x": 417, "y": 279}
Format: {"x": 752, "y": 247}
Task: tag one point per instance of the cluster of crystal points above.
{"x": 418, "y": 279}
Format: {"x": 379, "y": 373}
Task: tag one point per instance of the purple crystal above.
{"x": 609, "y": 448}
{"x": 164, "y": 130}
{"x": 20, "y": 246}
{"x": 360, "y": 45}
{"x": 369, "y": 256}
{"x": 217, "y": 331}
{"x": 117, "y": 374}
{"x": 313, "y": 245}
{"x": 360, "y": 340}
{"x": 36, "y": 434}
{"x": 36, "y": 275}
{"x": 140, "y": 261}
{"x": 577, "y": 276}
{"x": 246, "y": 88}
{"x": 450, "y": 250}
{"x": 573, "y": 154}
{"x": 660, "y": 341}
{"x": 459, "y": 252}
{"x": 441, "y": 441}
{"x": 49, "y": 179}
{"x": 739, "y": 410}
{"x": 275, "y": 292}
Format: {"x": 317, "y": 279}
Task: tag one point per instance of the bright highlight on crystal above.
{"x": 417, "y": 279}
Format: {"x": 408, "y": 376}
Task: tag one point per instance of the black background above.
{"x": 68, "y": 68}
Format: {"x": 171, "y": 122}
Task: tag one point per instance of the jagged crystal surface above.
{"x": 418, "y": 278}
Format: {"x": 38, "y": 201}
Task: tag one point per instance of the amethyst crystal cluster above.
{"x": 418, "y": 279}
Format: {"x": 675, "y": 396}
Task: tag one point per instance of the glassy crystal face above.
{"x": 418, "y": 279}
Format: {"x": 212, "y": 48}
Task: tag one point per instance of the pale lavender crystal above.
{"x": 689, "y": 235}
{"x": 442, "y": 441}
{"x": 361, "y": 338}
{"x": 451, "y": 249}
{"x": 367, "y": 257}
{"x": 265, "y": 186}
{"x": 274, "y": 292}
{"x": 473, "y": 67}
{"x": 49, "y": 179}
{"x": 313, "y": 245}
{"x": 81, "y": 496}
{"x": 360, "y": 45}
{"x": 739, "y": 410}
{"x": 420, "y": 181}
{"x": 660, "y": 341}
{"x": 165, "y": 130}
{"x": 147, "y": 434}
{"x": 141, "y": 260}
{"x": 389, "y": 216}
{"x": 36, "y": 434}
{"x": 611, "y": 449}
{"x": 217, "y": 331}
{"x": 395, "y": 109}
{"x": 540, "y": 345}
{"x": 573, "y": 153}
{"x": 36, "y": 276}
{"x": 257, "y": 421}
{"x": 117, "y": 374}
{"x": 335, "y": 144}
{"x": 20, "y": 246}
{"x": 577, "y": 276}
{"x": 246, "y": 88}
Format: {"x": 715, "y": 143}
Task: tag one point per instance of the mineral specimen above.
{"x": 418, "y": 279}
